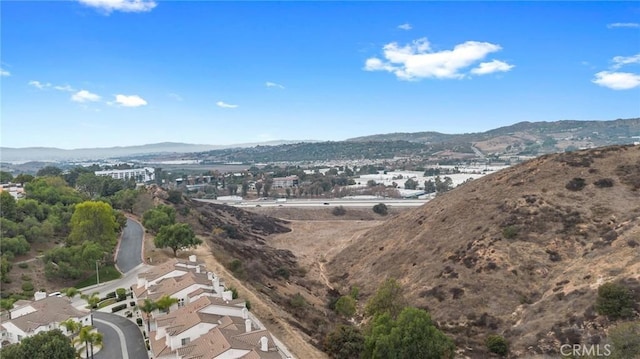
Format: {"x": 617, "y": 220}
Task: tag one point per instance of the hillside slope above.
{"x": 520, "y": 252}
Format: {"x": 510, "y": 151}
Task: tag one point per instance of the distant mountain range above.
{"x": 523, "y": 138}
{"x": 9, "y": 154}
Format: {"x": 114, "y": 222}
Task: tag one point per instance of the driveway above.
{"x": 121, "y": 337}
{"x": 130, "y": 249}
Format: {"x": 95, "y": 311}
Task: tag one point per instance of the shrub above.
{"x": 121, "y": 293}
{"x": 346, "y": 306}
{"x": 282, "y": 272}
{"x": 625, "y": 339}
{"x": 497, "y": 344}
{"x": 175, "y": 196}
{"x": 23, "y": 265}
{"x": 603, "y": 182}
{"x": 248, "y": 304}
{"x": 234, "y": 292}
{"x": 139, "y": 321}
{"x": 25, "y": 278}
{"x": 132, "y": 304}
{"x": 118, "y": 308}
{"x": 27, "y": 287}
{"x": 615, "y": 301}
{"x": 297, "y": 301}
{"x": 576, "y": 184}
{"x": 111, "y": 295}
{"x": 381, "y": 209}
{"x": 339, "y": 211}
{"x": 510, "y": 232}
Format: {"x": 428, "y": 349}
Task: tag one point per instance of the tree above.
{"x": 5, "y": 268}
{"x": 497, "y": 344}
{"x": 344, "y": 342}
{"x": 147, "y": 307}
{"x": 177, "y": 236}
{"x": 71, "y": 325}
{"x": 23, "y": 178}
{"x": 84, "y": 335}
{"x": 52, "y": 344}
{"x": 267, "y": 187}
{"x": 175, "y": 196}
{"x": 381, "y": 209}
{"x": 429, "y": 186}
{"x": 125, "y": 199}
{"x": 444, "y": 185}
{"x": 412, "y": 335}
{"x": 625, "y": 340}
{"x": 389, "y": 299}
{"x": 5, "y": 177}
{"x": 410, "y": 184}
{"x": 615, "y": 301}
{"x": 346, "y": 306}
{"x": 7, "y": 206}
{"x": 245, "y": 188}
{"x": 49, "y": 171}
{"x": 71, "y": 292}
{"x": 165, "y": 302}
{"x": 156, "y": 218}
{"x": 258, "y": 188}
{"x": 92, "y": 301}
{"x": 94, "y": 339}
{"x": 93, "y": 221}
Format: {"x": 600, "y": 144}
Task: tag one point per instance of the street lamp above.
{"x": 97, "y": 274}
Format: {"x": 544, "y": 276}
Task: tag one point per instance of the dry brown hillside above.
{"x": 520, "y": 252}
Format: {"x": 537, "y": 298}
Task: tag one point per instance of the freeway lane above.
{"x": 324, "y": 203}
{"x": 130, "y": 249}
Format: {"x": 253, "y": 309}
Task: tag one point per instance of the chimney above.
{"x": 39, "y": 295}
{"x": 264, "y": 344}
{"x": 198, "y": 269}
{"x": 247, "y": 325}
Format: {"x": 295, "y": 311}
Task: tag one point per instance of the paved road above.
{"x": 324, "y": 203}
{"x": 130, "y": 251}
{"x": 116, "y": 329}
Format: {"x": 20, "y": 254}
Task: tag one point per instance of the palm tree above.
{"x": 71, "y": 292}
{"x": 92, "y": 301}
{"x": 83, "y": 337}
{"x": 148, "y": 307}
{"x": 94, "y": 338}
{"x": 165, "y": 302}
{"x": 71, "y": 325}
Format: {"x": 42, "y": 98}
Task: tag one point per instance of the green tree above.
{"x": 346, "y": 306}
{"x": 23, "y": 178}
{"x": 71, "y": 325}
{"x": 52, "y": 344}
{"x": 177, "y": 236}
{"x": 389, "y": 299}
{"x": 92, "y": 301}
{"x": 165, "y": 302}
{"x": 147, "y": 307}
{"x": 156, "y": 218}
{"x": 7, "y": 206}
{"x": 344, "y": 342}
{"x": 93, "y": 221}
{"x": 444, "y": 185}
{"x": 258, "y": 188}
{"x": 125, "y": 199}
{"x": 49, "y": 171}
{"x": 83, "y": 337}
{"x": 245, "y": 188}
{"x": 71, "y": 292}
{"x": 175, "y": 197}
{"x": 412, "y": 335}
{"x": 429, "y": 186}
{"x": 5, "y": 177}
{"x": 5, "y": 268}
{"x": 625, "y": 340}
{"x": 497, "y": 344}
{"x": 17, "y": 245}
{"x": 410, "y": 184}
{"x": 615, "y": 301}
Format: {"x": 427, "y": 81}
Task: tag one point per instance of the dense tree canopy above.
{"x": 156, "y": 218}
{"x": 49, "y": 171}
{"x": 52, "y": 344}
{"x": 389, "y": 299}
{"x": 412, "y": 335}
{"x": 177, "y": 237}
{"x": 344, "y": 342}
{"x": 7, "y": 206}
{"x": 5, "y": 177}
{"x": 93, "y": 221}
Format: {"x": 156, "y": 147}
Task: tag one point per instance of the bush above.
{"x": 121, "y": 293}
{"x": 625, "y": 339}
{"x": 132, "y": 304}
{"x": 603, "y": 183}
{"x": 23, "y": 265}
{"x": 110, "y": 295}
{"x": 497, "y": 344}
{"x": 118, "y": 308}
{"x": 576, "y": 184}
{"x": 27, "y": 287}
{"x": 282, "y": 272}
{"x": 339, "y": 211}
{"x": 139, "y": 321}
{"x": 297, "y": 301}
{"x": 175, "y": 196}
{"x": 346, "y": 306}
{"x": 615, "y": 301}
{"x": 25, "y": 278}
{"x": 381, "y": 209}
{"x": 510, "y": 232}
{"x": 247, "y": 304}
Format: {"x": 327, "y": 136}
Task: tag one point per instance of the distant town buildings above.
{"x": 140, "y": 175}
{"x": 15, "y": 189}
{"x": 285, "y": 182}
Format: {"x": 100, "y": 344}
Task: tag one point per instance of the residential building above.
{"x": 140, "y": 175}
{"x": 285, "y": 182}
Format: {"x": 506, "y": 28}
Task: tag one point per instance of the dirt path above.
{"x": 272, "y": 317}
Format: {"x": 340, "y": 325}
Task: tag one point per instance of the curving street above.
{"x": 130, "y": 250}
{"x": 122, "y": 337}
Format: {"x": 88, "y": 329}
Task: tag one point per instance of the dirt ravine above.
{"x": 270, "y": 315}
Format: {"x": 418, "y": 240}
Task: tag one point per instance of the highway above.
{"x": 391, "y": 202}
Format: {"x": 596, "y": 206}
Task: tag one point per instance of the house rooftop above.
{"x": 47, "y": 310}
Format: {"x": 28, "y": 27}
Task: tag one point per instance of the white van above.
{"x": 55, "y": 294}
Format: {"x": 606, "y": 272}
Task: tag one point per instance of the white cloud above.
{"x": 617, "y": 80}
{"x": 64, "y": 88}
{"x": 225, "y": 105}
{"x": 130, "y": 101}
{"x": 273, "y": 84}
{"x": 4, "y": 72}
{"x": 490, "y": 67}
{"x": 620, "y": 61}
{"x": 84, "y": 96}
{"x": 405, "y": 26}
{"x": 109, "y": 6}
{"x": 38, "y": 84}
{"x": 417, "y": 60}
{"x": 623, "y": 24}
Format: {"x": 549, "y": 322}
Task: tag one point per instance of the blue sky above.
{"x": 101, "y": 73}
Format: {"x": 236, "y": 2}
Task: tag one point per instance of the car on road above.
{"x": 326, "y": 203}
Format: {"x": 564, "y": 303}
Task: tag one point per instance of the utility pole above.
{"x": 97, "y": 274}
